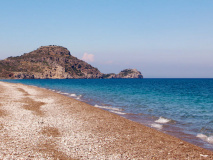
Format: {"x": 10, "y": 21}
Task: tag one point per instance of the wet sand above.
{"x": 36, "y": 123}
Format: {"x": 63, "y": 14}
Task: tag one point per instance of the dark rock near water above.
{"x": 54, "y": 62}
{"x": 127, "y": 73}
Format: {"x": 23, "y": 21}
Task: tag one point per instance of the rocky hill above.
{"x": 54, "y": 62}
{"x": 127, "y": 73}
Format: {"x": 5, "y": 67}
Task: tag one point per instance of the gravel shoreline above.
{"x": 36, "y": 123}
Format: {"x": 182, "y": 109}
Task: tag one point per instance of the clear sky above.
{"x": 161, "y": 38}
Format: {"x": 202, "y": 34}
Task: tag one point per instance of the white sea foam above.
{"x": 202, "y": 136}
{"x": 210, "y": 139}
{"x": 117, "y": 112}
{"x": 158, "y": 126}
{"x": 111, "y": 109}
{"x": 73, "y": 95}
{"x": 79, "y": 97}
{"x": 64, "y": 93}
{"x": 107, "y": 107}
{"x": 162, "y": 120}
{"x": 205, "y": 138}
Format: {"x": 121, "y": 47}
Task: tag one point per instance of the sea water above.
{"x": 180, "y": 107}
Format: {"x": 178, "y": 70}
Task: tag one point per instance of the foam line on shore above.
{"x": 162, "y": 120}
{"x": 157, "y": 126}
{"x": 206, "y": 138}
{"x": 73, "y": 95}
{"x": 111, "y": 109}
{"x": 68, "y": 94}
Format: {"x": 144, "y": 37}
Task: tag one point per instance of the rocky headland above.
{"x": 54, "y": 62}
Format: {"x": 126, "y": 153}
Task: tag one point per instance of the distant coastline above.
{"x": 55, "y": 62}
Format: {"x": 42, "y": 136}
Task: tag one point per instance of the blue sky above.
{"x": 161, "y": 38}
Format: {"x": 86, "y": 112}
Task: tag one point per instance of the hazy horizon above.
{"x": 162, "y": 39}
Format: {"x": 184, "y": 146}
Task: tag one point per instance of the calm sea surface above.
{"x": 180, "y": 107}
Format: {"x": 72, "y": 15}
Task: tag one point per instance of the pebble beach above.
{"x": 37, "y": 123}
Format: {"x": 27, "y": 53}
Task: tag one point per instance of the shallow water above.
{"x": 181, "y": 107}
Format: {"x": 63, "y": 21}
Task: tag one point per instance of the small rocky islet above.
{"x": 55, "y": 62}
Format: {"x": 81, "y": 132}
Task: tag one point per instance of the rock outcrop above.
{"x": 54, "y": 62}
{"x": 130, "y": 73}
{"x": 127, "y": 73}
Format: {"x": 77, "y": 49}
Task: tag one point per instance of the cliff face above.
{"x": 53, "y": 62}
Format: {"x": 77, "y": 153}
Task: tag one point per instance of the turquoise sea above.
{"x": 180, "y": 107}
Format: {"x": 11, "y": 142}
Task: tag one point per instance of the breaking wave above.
{"x": 111, "y": 109}
{"x": 73, "y": 95}
{"x": 162, "y": 120}
{"x": 158, "y": 126}
{"x": 205, "y": 138}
